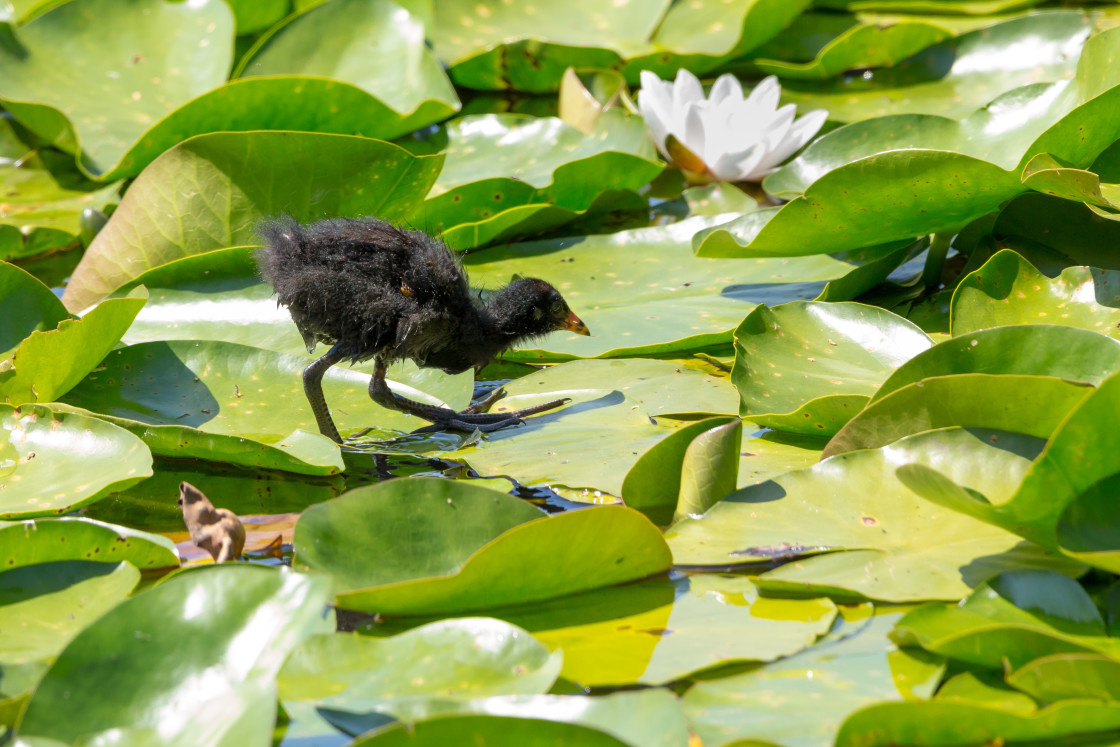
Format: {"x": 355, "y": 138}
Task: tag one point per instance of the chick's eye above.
{"x": 557, "y": 307}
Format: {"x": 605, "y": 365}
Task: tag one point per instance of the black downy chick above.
{"x": 372, "y": 290}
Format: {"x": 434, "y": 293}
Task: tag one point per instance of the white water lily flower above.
{"x": 724, "y": 136}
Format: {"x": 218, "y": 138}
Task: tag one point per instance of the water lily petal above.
{"x": 726, "y": 89}
{"x": 800, "y": 133}
{"x": 734, "y": 167}
{"x": 686, "y": 90}
{"x": 764, "y": 98}
{"x": 657, "y": 129}
{"x": 694, "y": 135}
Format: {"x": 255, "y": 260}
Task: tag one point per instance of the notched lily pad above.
{"x": 54, "y": 462}
{"x": 809, "y": 367}
{"x": 207, "y": 193}
{"x": 589, "y": 549}
{"x": 1009, "y": 290}
{"x": 29, "y": 542}
{"x": 854, "y": 529}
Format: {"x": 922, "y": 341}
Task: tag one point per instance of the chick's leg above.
{"x": 444, "y": 418}
{"x": 313, "y": 388}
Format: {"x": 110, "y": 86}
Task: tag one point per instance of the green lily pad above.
{"x": 27, "y": 306}
{"x": 949, "y": 723}
{"x": 376, "y": 47}
{"x": 641, "y": 293}
{"x": 659, "y": 631}
{"x": 499, "y": 731}
{"x": 218, "y": 400}
{"x": 896, "y": 177}
{"x": 1021, "y": 350}
{"x": 450, "y": 522}
{"x": 552, "y": 448}
{"x": 662, "y": 388}
{"x": 1073, "y": 675}
{"x": 808, "y": 367}
{"x": 646, "y": 718}
{"x": 440, "y": 660}
{"x": 590, "y": 443}
{"x": 855, "y": 530}
{"x": 41, "y": 207}
{"x": 502, "y": 170}
{"x": 54, "y": 462}
{"x": 27, "y": 543}
{"x": 494, "y": 45}
{"x": 1034, "y": 405}
{"x": 615, "y": 545}
{"x": 167, "y": 214}
{"x": 172, "y": 660}
{"x": 1015, "y": 618}
{"x": 800, "y": 701}
{"x": 1047, "y": 175}
{"x": 1009, "y": 290}
{"x": 859, "y": 47}
{"x": 45, "y": 605}
{"x": 257, "y": 15}
{"x": 93, "y": 75}
{"x": 956, "y": 76}
{"x": 964, "y": 7}
{"x": 594, "y": 547}
{"x": 1078, "y": 460}
{"x": 700, "y": 460}
{"x": 1053, "y": 234}
{"x": 48, "y": 364}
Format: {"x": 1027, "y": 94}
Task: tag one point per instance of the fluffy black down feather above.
{"x": 392, "y": 293}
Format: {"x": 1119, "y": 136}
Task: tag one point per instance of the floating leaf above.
{"x": 450, "y": 522}
{"x": 210, "y": 191}
{"x": 855, "y": 530}
{"x": 956, "y": 76}
{"x": 1034, "y": 405}
{"x": 662, "y": 388}
{"x": 508, "y": 174}
{"x": 27, "y": 543}
{"x": 615, "y": 545}
{"x": 657, "y": 482}
{"x": 49, "y": 364}
{"x": 663, "y": 630}
{"x": 377, "y": 47}
{"x": 1064, "y": 499}
{"x": 26, "y": 305}
{"x": 500, "y": 46}
{"x": 47, "y": 604}
{"x": 1074, "y": 675}
{"x": 1020, "y": 350}
{"x": 809, "y": 367}
{"x": 901, "y": 176}
{"x": 93, "y": 75}
{"x": 861, "y": 46}
{"x": 645, "y": 718}
{"x": 54, "y": 462}
{"x": 801, "y": 700}
{"x": 1009, "y": 290}
{"x": 42, "y": 207}
{"x": 441, "y": 660}
{"x": 114, "y": 677}
{"x": 641, "y": 293}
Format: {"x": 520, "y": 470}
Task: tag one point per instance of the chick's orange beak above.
{"x": 575, "y": 324}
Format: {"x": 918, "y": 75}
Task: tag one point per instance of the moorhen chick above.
{"x": 372, "y": 290}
